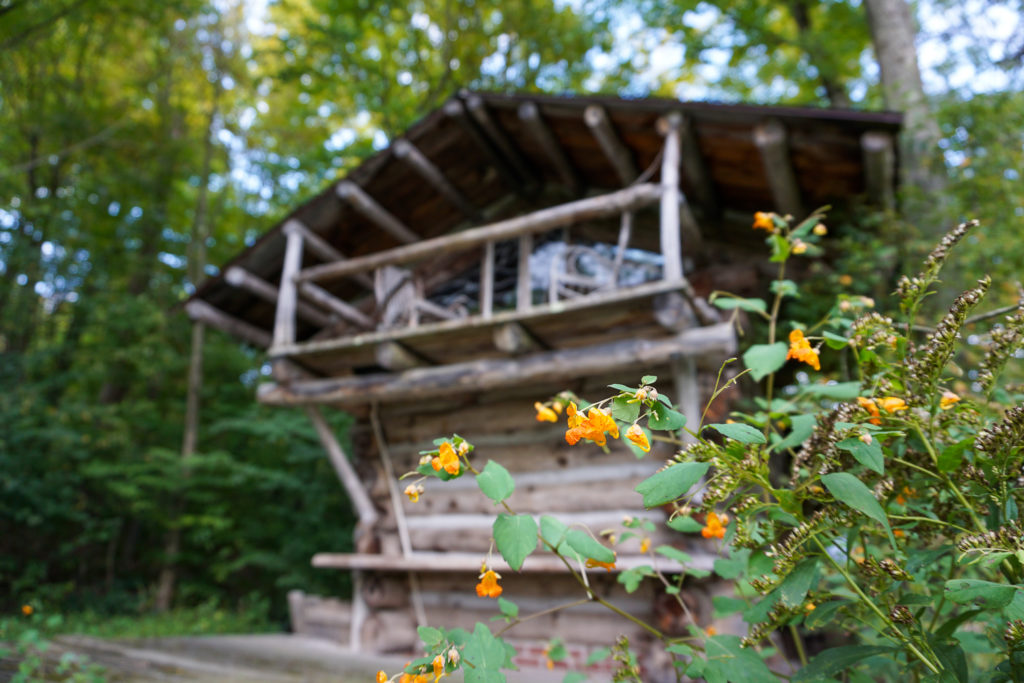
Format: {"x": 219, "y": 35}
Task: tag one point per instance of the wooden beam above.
{"x": 199, "y": 310}
{"x": 478, "y": 110}
{"x": 524, "y": 290}
{"x": 487, "y": 281}
{"x": 396, "y": 357}
{"x": 515, "y": 339}
{"x": 879, "y": 168}
{"x": 617, "y": 153}
{"x": 628, "y": 199}
{"x": 771, "y": 139}
{"x": 456, "y": 110}
{"x": 243, "y": 279}
{"x": 529, "y": 114}
{"x": 357, "y": 493}
{"x": 686, "y": 379}
{"x": 321, "y": 248}
{"x": 329, "y": 301}
{"x": 368, "y": 206}
{"x": 696, "y": 171}
{"x": 407, "y": 152}
{"x": 671, "y": 245}
{"x": 287, "y": 294}
{"x": 709, "y": 344}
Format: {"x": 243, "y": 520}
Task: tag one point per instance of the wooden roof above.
{"x": 497, "y": 161}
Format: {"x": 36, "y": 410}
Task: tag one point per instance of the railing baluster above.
{"x": 287, "y": 293}
{"x": 487, "y": 281}
{"x": 524, "y": 295}
{"x": 670, "y": 240}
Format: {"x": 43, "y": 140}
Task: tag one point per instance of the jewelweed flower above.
{"x": 592, "y": 564}
{"x": 593, "y": 427}
{"x": 27, "y": 610}
{"x": 711, "y": 631}
{"x": 438, "y": 665}
{"x": 948, "y": 400}
{"x": 869, "y": 405}
{"x": 413, "y": 491}
{"x": 382, "y": 677}
{"x": 488, "y": 586}
{"x": 645, "y": 545}
{"x": 715, "y": 527}
{"x": 799, "y": 246}
{"x": 453, "y": 657}
{"x": 820, "y": 230}
{"x": 800, "y": 349}
{"x": 845, "y": 280}
{"x": 637, "y": 436}
{"x": 892, "y": 404}
{"x": 446, "y": 459}
{"x": 764, "y": 221}
{"x": 573, "y": 416}
{"x": 545, "y": 413}
{"x": 810, "y": 607}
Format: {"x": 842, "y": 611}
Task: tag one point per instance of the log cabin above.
{"x": 506, "y": 248}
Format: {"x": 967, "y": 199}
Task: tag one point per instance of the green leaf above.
{"x": 794, "y": 587}
{"x": 952, "y": 658}
{"x": 840, "y": 391}
{"x": 585, "y": 545}
{"x": 730, "y": 568}
{"x": 950, "y": 627}
{"x": 743, "y": 433}
{"x": 785, "y": 288}
{"x": 867, "y": 454}
{"x": 728, "y": 303}
{"x": 671, "y": 483}
{"x": 952, "y": 455}
{"x": 764, "y": 359}
{"x": 727, "y": 660}
{"x": 648, "y": 379}
{"x": 801, "y": 427}
{"x": 835, "y": 341}
{"x": 823, "y": 614}
{"x": 1015, "y": 610}
{"x": 724, "y": 606}
{"x": 830, "y": 662}
{"x": 687, "y": 525}
{"x": 486, "y": 657}
{"x": 430, "y": 636}
{"x": 508, "y": 608}
{"x": 632, "y": 578}
{"x": 598, "y": 655}
{"x": 495, "y": 482}
{"x": 780, "y": 248}
{"x": 516, "y": 537}
{"x": 665, "y": 418}
{"x": 553, "y": 531}
{"x": 671, "y": 553}
{"x": 625, "y": 409}
{"x": 988, "y": 594}
{"x": 622, "y": 387}
{"x": 850, "y": 490}
{"x": 574, "y": 677}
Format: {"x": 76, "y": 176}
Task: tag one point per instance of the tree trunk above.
{"x": 893, "y": 35}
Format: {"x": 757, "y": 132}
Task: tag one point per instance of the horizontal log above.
{"x": 529, "y": 114}
{"x": 327, "y": 300}
{"x": 618, "y": 155}
{"x": 710, "y": 344}
{"x": 407, "y": 152}
{"x": 368, "y": 206}
{"x": 199, "y": 310}
{"x": 629, "y": 199}
{"x": 456, "y": 111}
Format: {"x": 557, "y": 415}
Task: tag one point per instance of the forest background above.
{"x": 142, "y": 143}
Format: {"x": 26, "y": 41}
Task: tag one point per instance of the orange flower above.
{"x": 711, "y": 631}
{"x": 438, "y": 665}
{"x": 893, "y": 404}
{"x": 447, "y": 459}
{"x": 27, "y": 610}
{"x": 382, "y": 677}
{"x": 764, "y": 221}
{"x": 907, "y": 491}
{"x": 948, "y": 400}
{"x": 716, "y": 525}
{"x": 645, "y": 545}
{"x": 637, "y": 436}
{"x": 488, "y": 586}
{"x": 592, "y": 564}
{"x": 592, "y": 428}
{"x": 413, "y": 491}
{"x": 545, "y": 413}
{"x": 869, "y": 405}
{"x": 800, "y": 349}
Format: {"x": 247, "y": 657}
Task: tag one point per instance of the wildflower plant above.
{"x": 883, "y": 505}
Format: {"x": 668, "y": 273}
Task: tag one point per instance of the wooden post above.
{"x": 879, "y": 168}
{"x": 319, "y": 246}
{"x": 625, "y": 233}
{"x": 366, "y": 205}
{"x": 524, "y": 292}
{"x": 770, "y": 138}
{"x": 487, "y": 282}
{"x": 408, "y": 153}
{"x": 287, "y": 294}
{"x": 696, "y": 170}
{"x": 531, "y": 117}
{"x": 617, "y": 153}
{"x": 671, "y": 249}
{"x": 361, "y": 502}
{"x": 243, "y": 279}
{"x": 686, "y": 379}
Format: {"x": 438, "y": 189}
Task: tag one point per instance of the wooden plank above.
{"x": 714, "y": 343}
{"x": 470, "y": 563}
{"x": 879, "y": 168}
{"x": 287, "y": 294}
{"x": 243, "y": 279}
{"x": 396, "y": 357}
{"x": 771, "y": 139}
{"x": 671, "y": 247}
{"x": 199, "y": 310}
{"x": 368, "y": 206}
{"x": 456, "y": 110}
{"x": 329, "y": 301}
{"x": 629, "y": 199}
{"x": 620, "y": 157}
{"x": 407, "y": 152}
{"x": 357, "y": 494}
{"x": 534, "y": 122}
{"x": 478, "y": 110}
{"x": 321, "y": 248}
